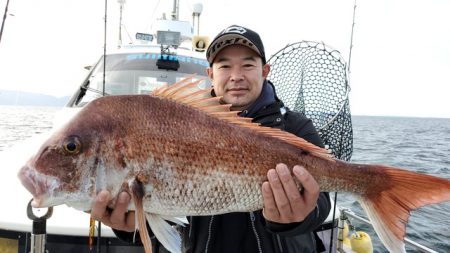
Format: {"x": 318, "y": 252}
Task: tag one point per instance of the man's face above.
{"x": 237, "y": 74}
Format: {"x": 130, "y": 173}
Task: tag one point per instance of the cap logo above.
{"x": 235, "y": 29}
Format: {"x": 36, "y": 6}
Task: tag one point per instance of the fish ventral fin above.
{"x": 168, "y": 236}
{"x": 189, "y": 93}
{"x": 137, "y": 193}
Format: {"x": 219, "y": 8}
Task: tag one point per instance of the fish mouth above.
{"x": 38, "y": 185}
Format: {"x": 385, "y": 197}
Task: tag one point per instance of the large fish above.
{"x": 181, "y": 152}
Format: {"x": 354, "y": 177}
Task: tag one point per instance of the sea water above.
{"x": 418, "y": 144}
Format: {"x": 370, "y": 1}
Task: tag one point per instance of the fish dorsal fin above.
{"x": 191, "y": 94}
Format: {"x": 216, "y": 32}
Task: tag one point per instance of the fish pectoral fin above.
{"x": 182, "y": 221}
{"x": 168, "y": 236}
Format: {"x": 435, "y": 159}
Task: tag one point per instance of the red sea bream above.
{"x": 180, "y": 152}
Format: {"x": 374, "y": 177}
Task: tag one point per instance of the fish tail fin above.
{"x": 137, "y": 193}
{"x": 389, "y": 209}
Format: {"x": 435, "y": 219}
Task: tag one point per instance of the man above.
{"x": 238, "y": 72}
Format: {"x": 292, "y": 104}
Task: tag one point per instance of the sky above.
{"x": 400, "y": 63}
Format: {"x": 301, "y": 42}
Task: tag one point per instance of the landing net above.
{"x": 311, "y": 78}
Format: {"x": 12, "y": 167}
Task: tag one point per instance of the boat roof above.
{"x": 137, "y": 48}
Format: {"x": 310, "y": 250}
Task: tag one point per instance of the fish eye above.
{"x": 72, "y": 145}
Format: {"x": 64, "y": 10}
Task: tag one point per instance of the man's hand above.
{"x": 118, "y": 218}
{"x": 283, "y": 203}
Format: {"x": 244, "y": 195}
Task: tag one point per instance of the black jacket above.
{"x": 250, "y": 232}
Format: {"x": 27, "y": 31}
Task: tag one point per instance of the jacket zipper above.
{"x": 209, "y": 233}
{"x": 279, "y": 243}
{"x": 252, "y": 219}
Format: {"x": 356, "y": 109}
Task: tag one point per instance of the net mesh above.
{"x": 311, "y": 78}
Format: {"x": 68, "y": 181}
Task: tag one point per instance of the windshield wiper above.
{"x": 95, "y": 91}
{"x": 85, "y": 88}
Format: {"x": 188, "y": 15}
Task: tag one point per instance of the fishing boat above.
{"x": 168, "y": 54}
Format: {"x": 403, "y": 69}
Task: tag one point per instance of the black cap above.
{"x": 235, "y": 35}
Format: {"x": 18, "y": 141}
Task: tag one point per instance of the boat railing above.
{"x": 346, "y": 212}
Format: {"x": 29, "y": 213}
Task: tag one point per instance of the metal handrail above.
{"x": 347, "y": 212}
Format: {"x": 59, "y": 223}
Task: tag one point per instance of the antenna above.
{"x": 4, "y": 19}
{"x": 351, "y": 39}
{"x": 197, "y": 10}
{"x": 121, "y": 3}
{"x": 104, "y": 48}
{"x": 176, "y": 10}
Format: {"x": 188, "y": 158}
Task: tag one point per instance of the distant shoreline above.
{"x": 22, "y": 98}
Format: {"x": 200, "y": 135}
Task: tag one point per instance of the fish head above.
{"x": 76, "y": 162}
